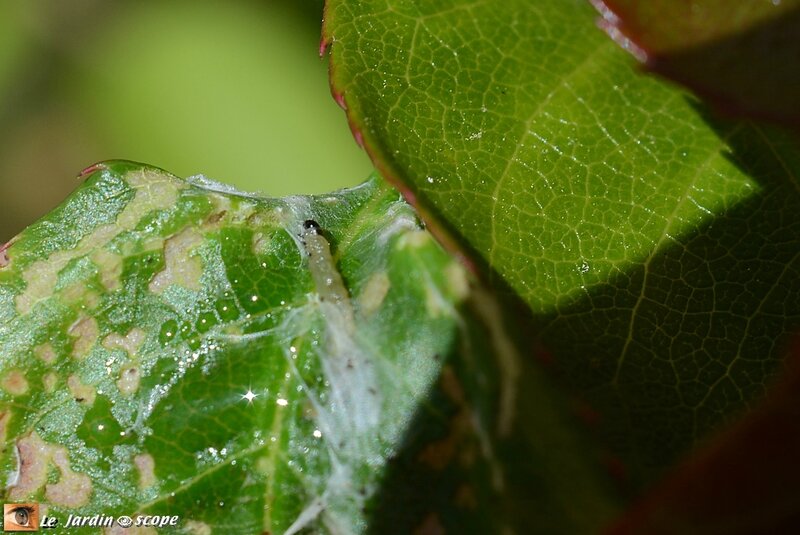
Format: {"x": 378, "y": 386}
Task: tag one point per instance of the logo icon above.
{"x": 125, "y": 521}
{"x": 20, "y": 517}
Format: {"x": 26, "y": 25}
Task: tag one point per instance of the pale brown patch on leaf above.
{"x": 195, "y": 527}
{"x": 257, "y": 219}
{"x": 85, "y": 332}
{"x": 46, "y": 353}
{"x": 222, "y": 207}
{"x": 110, "y": 266}
{"x": 73, "y": 489}
{"x": 243, "y": 212}
{"x": 82, "y": 393}
{"x": 457, "y": 281}
{"x": 374, "y": 293}
{"x": 129, "y": 343}
{"x": 34, "y": 456}
{"x": 15, "y": 383}
{"x": 182, "y": 268}
{"x": 261, "y": 243}
{"x": 489, "y": 311}
{"x": 439, "y": 454}
{"x": 74, "y": 293}
{"x": 146, "y": 466}
{"x": 91, "y": 299}
{"x": 154, "y": 190}
{"x": 128, "y": 382}
{"x": 5, "y": 416}
{"x": 414, "y": 239}
{"x": 49, "y": 381}
{"x": 213, "y": 220}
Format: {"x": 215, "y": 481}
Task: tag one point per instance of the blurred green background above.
{"x": 231, "y": 89}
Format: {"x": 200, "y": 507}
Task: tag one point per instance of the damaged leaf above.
{"x": 176, "y": 347}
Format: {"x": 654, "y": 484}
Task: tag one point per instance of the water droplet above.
{"x": 227, "y": 310}
{"x": 168, "y": 331}
{"x": 205, "y": 322}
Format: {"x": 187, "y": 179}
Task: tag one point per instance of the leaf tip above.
{"x": 323, "y": 45}
{"x": 338, "y": 96}
{"x": 91, "y": 170}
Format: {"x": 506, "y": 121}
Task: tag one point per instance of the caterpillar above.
{"x": 328, "y": 281}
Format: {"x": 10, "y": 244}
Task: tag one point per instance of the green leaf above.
{"x": 739, "y": 481}
{"x": 268, "y": 365}
{"x": 655, "y": 246}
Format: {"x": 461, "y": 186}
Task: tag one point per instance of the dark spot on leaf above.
{"x": 214, "y": 218}
{"x": 4, "y": 258}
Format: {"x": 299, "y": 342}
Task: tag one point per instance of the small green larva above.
{"x": 328, "y": 281}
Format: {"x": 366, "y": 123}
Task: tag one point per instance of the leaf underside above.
{"x": 740, "y": 481}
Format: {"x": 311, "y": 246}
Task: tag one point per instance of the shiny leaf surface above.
{"x": 655, "y": 245}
